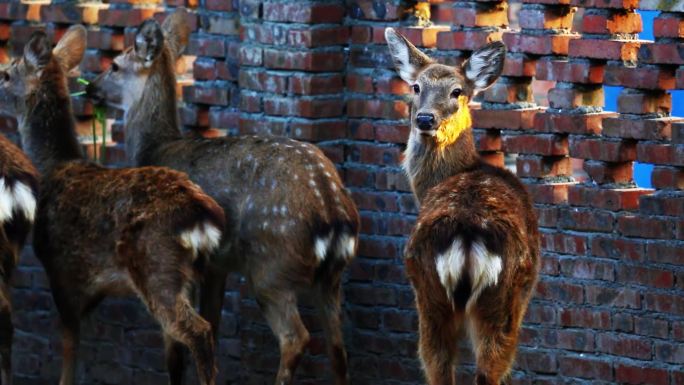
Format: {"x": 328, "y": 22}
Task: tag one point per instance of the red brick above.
{"x": 492, "y": 14}
{"x": 664, "y": 177}
{"x": 610, "y": 23}
{"x": 551, "y": 193}
{"x": 560, "y": 291}
{"x": 571, "y": 123}
{"x": 424, "y": 37}
{"x": 645, "y": 227}
{"x": 648, "y": 129}
{"x": 668, "y": 204}
{"x": 585, "y": 220}
{"x": 605, "y": 49}
{"x": 609, "y": 199}
{"x": 658, "y": 278}
{"x": 623, "y": 345}
{"x": 571, "y": 98}
{"x": 572, "y": 71}
{"x": 619, "y": 4}
{"x": 519, "y": 119}
{"x": 586, "y": 367}
{"x": 542, "y": 166}
{"x": 616, "y": 297}
{"x": 564, "y": 243}
{"x": 617, "y": 248}
{"x": 509, "y": 92}
{"x": 656, "y": 153}
{"x": 465, "y": 40}
{"x": 303, "y": 13}
{"x": 538, "y": 44}
{"x": 546, "y": 18}
{"x": 664, "y": 303}
{"x": 638, "y": 375}
{"x": 602, "y": 149}
{"x": 668, "y": 25}
{"x": 116, "y": 17}
{"x": 585, "y": 318}
{"x": 519, "y": 65}
{"x": 639, "y": 102}
{"x": 380, "y": 109}
{"x": 544, "y": 144}
{"x": 306, "y": 107}
{"x": 662, "y": 53}
{"x": 317, "y": 61}
{"x": 647, "y": 77}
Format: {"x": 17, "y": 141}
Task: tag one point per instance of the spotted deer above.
{"x": 473, "y": 255}
{"x": 102, "y": 232}
{"x": 18, "y": 201}
{"x": 292, "y": 228}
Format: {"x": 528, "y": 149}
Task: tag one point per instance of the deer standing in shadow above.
{"x": 101, "y": 232}
{"x": 291, "y": 225}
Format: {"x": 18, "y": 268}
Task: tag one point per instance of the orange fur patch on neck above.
{"x": 453, "y": 126}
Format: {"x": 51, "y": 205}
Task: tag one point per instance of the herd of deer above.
{"x": 273, "y": 209}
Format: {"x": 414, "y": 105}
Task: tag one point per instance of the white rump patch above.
{"x": 346, "y": 246}
{"x": 450, "y": 265}
{"x": 321, "y": 246}
{"x": 485, "y": 268}
{"x": 16, "y": 198}
{"x": 204, "y": 237}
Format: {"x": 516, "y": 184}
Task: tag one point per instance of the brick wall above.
{"x": 610, "y": 302}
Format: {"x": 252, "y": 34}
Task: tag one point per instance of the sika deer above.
{"x": 293, "y": 226}
{"x": 18, "y": 197}
{"x": 101, "y": 231}
{"x": 473, "y": 256}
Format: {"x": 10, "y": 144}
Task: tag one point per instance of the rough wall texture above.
{"x": 610, "y": 302}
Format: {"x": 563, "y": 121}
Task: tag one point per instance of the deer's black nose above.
{"x": 94, "y": 94}
{"x": 425, "y": 121}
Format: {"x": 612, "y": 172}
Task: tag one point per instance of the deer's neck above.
{"x": 429, "y": 164}
{"x": 153, "y": 120}
{"x": 47, "y": 129}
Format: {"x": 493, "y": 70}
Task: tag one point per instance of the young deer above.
{"x": 18, "y": 197}
{"x": 101, "y": 231}
{"x": 473, "y": 256}
{"x": 293, "y": 227}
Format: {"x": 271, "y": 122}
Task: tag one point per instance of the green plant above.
{"x": 98, "y": 117}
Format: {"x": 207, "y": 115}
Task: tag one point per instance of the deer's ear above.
{"x": 177, "y": 31}
{"x": 71, "y": 47}
{"x": 408, "y": 60}
{"x": 149, "y": 41}
{"x": 38, "y": 51}
{"x": 485, "y": 65}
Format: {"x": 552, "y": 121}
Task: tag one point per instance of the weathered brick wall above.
{"x": 610, "y": 302}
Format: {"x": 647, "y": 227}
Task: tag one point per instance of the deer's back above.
{"x": 485, "y": 214}
{"x": 282, "y": 196}
{"x": 86, "y": 211}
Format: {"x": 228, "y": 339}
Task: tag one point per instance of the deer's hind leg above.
{"x": 440, "y": 325}
{"x": 494, "y": 332}
{"x": 6, "y": 333}
{"x": 280, "y": 310}
{"x": 328, "y": 304}
{"x": 70, "y": 310}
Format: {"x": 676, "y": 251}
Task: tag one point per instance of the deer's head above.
{"x": 439, "y": 108}
{"x": 156, "y": 47}
{"x": 39, "y": 65}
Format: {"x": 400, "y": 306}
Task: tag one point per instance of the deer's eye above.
{"x": 115, "y": 67}
{"x": 416, "y": 89}
{"x": 456, "y": 93}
